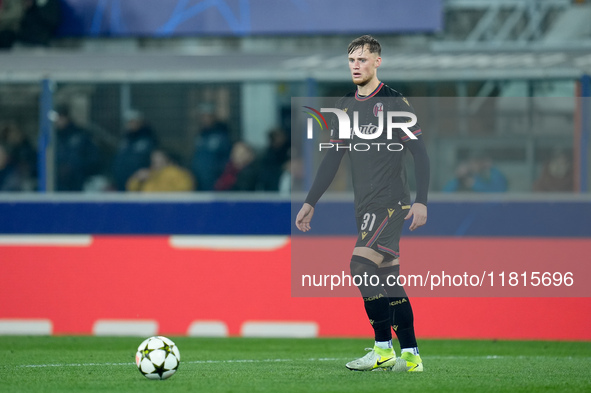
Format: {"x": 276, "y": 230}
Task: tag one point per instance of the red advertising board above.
{"x": 75, "y": 282}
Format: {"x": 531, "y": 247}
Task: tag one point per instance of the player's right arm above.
{"x": 325, "y": 175}
{"x": 304, "y": 217}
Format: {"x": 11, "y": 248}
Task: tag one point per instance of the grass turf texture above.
{"x": 104, "y": 364}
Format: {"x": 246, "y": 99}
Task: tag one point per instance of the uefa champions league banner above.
{"x": 163, "y": 18}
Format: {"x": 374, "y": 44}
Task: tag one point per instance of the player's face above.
{"x": 363, "y": 65}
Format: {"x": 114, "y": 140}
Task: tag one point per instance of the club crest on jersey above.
{"x": 378, "y": 108}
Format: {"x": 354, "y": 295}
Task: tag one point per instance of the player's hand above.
{"x": 304, "y": 217}
{"x": 418, "y": 212}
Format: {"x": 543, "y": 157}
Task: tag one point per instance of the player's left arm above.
{"x": 418, "y": 210}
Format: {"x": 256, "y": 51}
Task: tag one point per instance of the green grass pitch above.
{"x": 105, "y": 364}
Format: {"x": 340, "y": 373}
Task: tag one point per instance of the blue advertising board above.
{"x": 259, "y": 217}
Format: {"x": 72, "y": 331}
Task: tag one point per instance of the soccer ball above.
{"x": 157, "y": 358}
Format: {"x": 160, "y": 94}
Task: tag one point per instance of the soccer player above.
{"x": 382, "y": 203}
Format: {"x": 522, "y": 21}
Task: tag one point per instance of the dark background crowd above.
{"x": 28, "y": 22}
{"x": 140, "y": 158}
{"x": 141, "y": 162}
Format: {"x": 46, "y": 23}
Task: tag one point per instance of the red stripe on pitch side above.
{"x": 577, "y": 140}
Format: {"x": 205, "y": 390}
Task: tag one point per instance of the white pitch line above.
{"x": 427, "y": 358}
{"x": 72, "y": 365}
{"x": 185, "y": 362}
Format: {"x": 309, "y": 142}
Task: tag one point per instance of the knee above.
{"x": 390, "y": 278}
{"x": 363, "y": 272}
{"x": 361, "y": 266}
{"x": 393, "y": 270}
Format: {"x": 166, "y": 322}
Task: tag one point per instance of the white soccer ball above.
{"x": 157, "y": 357}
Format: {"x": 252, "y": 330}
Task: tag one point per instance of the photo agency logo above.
{"x": 369, "y": 133}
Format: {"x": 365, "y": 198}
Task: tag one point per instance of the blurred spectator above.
{"x": 241, "y": 171}
{"x": 37, "y": 26}
{"x": 9, "y": 177}
{"x": 22, "y": 153}
{"x": 292, "y": 176}
{"x": 273, "y": 160}
{"x": 478, "y": 174}
{"x": 76, "y": 155}
{"x": 133, "y": 152}
{"x": 212, "y": 149}
{"x": 557, "y": 174}
{"x": 164, "y": 175}
{"x": 11, "y": 13}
